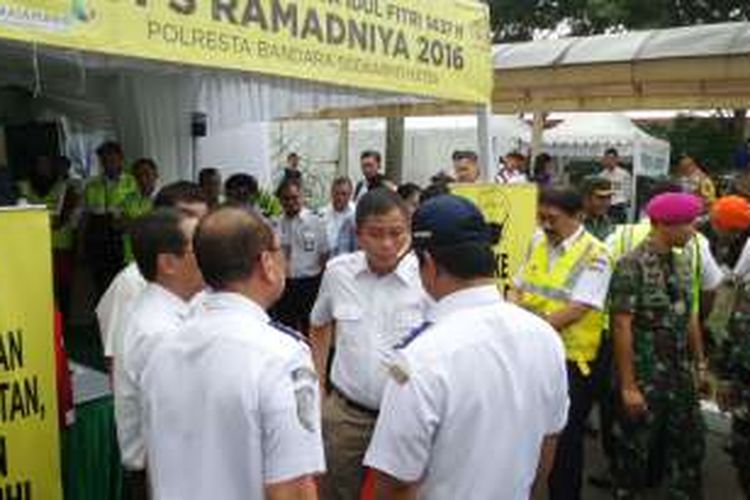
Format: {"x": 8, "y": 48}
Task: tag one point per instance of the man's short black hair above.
{"x": 611, "y": 152}
{"x": 179, "y": 192}
{"x": 516, "y": 155}
{"x": 145, "y": 161}
{"x": 157, "y": 233}
{"x": 370, "y": 154}
{"x": 228, "y": 244}
{"x": 292, "y": 155}
{"x": 433, "y": 190}
{"x": 109, "y": 147}
{"x": 408, "y": 189}
{"x": 287, "y": 183}
{"x": 379, "y": 201}
{"x": 206, "y": 173}
{"x": 241, "y": 182}
{"x": 465, "y": 261}
{"x": 566, "y": 199}
{"x": 464, "y": 154}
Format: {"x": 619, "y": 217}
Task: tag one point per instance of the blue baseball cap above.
{"x": 449, "y": 220}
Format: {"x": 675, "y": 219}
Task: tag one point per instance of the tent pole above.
{"x": 342, "y": 166}
{"x": 394, "y": 148}
{"x": 537, "y": 135}
{"x": 485, "y": 145}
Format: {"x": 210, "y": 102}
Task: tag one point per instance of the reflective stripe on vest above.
{"x": 548, "y": 290}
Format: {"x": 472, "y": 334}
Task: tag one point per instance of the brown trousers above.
{"x": 347, "y": 432}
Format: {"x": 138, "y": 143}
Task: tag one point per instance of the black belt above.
{"x": 353, "y": 404}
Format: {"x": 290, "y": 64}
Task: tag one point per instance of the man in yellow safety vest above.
{"x": 565, "y": 280}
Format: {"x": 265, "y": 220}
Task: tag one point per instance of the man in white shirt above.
{"x": 512, "y": 170}
{"x": 371, "y": 299}
{"x": 163, "y": 249}
{"x": 114, "y": 307}
{"x": 304, "y": 243}
{"x": 231, "y": 403}
{"x": 622, "y": 185}
{"x": 476, "y": 399}
{"x": 339, "y": 217}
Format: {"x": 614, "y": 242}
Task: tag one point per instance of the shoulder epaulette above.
{"x": 289, "y": 331}
{"x": 413, "y": 335}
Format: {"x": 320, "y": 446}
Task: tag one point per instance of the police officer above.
{"x": 141, "y": 202}
{"x": 231, "y": 403}
{"x": 658, "y": 352}
{"x": 447, "y": 419}
{"x": 370, "y": 300}
{"x": 730, "y": 324}
{"x": 597, "y": 200}
{"x": 304, "y": 241}
{"x": 565, "y": 281}
{"x": 104, "y": 203}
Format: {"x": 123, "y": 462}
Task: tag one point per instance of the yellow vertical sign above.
{"x": 29, "y": 440}
{"x": 514, "y": 208}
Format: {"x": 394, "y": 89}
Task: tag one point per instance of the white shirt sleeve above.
{"x": 292, "y": 443}
{"x": 557, "y": 395}
{"x": 322, "y": 312}
{"x": 711, "y": 273}
{"x": 409, "y": 418}
{"x": 115, "y": 305}
{"x": 592, "y": 285}
{"x": 128, "y": 403}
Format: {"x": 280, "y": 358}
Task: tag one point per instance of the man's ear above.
{"x": 167, "y": 264}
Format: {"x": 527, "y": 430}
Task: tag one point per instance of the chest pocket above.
{"x": 349, "y": 319}
{"x": 307, "y": 239}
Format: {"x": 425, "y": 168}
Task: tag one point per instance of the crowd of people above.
{"x": 262, "y": 349}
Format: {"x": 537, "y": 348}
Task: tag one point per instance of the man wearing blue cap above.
{"x": 476, "y": 398}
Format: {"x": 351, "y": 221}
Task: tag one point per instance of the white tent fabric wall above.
{"x": 430, "y": 141}
{"x": 588, "y": 135}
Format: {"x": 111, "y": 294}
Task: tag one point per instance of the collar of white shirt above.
{"x": 570, "y": 240}
{"x": 405, "y": 270}
{"x": 470, "y": 297}
{"x": 169, "y": 298}
{"x": 235, "y": 301}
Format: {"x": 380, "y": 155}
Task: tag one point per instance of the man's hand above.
{"x": 634, "y": 403}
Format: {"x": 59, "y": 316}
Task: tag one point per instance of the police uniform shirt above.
{"x": 372, "y": 314}
{"x": 306, "y": 241}
{"x": 230, "y": 404}
{"x": 114, "y": 307}
{"x": 156, "y": 313}
{"x": 592, "y": 285}
{"x": 471, "y": 399}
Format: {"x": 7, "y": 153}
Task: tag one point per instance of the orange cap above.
{"x": 731, "y": 213}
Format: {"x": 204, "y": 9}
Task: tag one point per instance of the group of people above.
{"x": 261, "y": 349}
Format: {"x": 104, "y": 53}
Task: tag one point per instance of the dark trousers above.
{"x": 295, "y": 305}
{"x": 565, "y": 481}
{"x": 604, "y": 395}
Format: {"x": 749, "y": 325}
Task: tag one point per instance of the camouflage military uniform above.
{"x": 600, "y": 227}
{"x": 656, "y": 288}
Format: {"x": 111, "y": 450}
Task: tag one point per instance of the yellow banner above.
{"x": 29, "y": 441}
{"x": 514, "y": 208}
{"x": 438, "y": 48}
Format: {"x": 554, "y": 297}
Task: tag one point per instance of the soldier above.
{"x": 597, "y": 200}
{"x": 658, "y": 352}
{"x": 730, "y": 217}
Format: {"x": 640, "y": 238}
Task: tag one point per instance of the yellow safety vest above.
{"x": 62, "y": 237}
{"x": 103, "y": 196}
{"x": 548, "y": 290}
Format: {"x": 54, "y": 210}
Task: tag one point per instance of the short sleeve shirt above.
{"x": 482, "y": 386}
{"x": 372, "y": 314}
{"x": 231, "y": 404}
{"x": 305, "y": 241}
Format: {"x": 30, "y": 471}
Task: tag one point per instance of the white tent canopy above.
{"x": 430, "y": 141}
{"x": 588, "y": 135}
